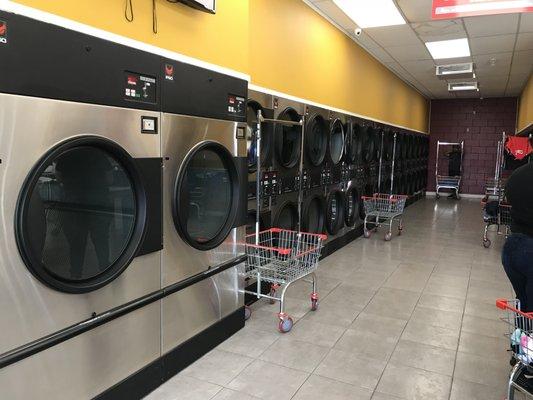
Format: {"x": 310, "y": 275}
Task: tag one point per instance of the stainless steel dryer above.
{"x": 204, "y": 196}
{"x": 286, "y": 163}
{"x": 80, "y": 211}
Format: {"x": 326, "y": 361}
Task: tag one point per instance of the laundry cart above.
{"x": 520, "y": 335}
{"x": 452, "y": 178}
{"x": 495, "y": 213}
{"x": 383, "y": 209}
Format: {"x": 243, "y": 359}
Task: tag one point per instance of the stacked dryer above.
{"x": 335, "y": 197}
{"x": 286, "y": 164}
{"x": 315, "y": 174}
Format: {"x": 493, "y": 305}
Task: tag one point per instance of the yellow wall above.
{"x": 525, "y": 107}
{"x": 282, "y": 44}
{"x": 294, "y": 50}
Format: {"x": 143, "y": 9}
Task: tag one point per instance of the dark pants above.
{"x": 517, "y": 260}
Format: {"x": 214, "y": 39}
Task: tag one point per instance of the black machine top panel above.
{"x": 44, "y": 60}
{"x": 191, "y": 90}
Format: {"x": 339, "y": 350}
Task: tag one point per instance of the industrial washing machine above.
{"x": 263, "y": 102}
{"x": 80, "y": 211}
{"x": 205, "y": 187}
{"x": 315, "y": 173}
{"x": 287, "y": 162}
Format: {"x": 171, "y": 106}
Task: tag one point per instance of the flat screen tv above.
{"x": 203, "y": 5}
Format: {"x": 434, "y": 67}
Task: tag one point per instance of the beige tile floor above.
{"x": 411, "y": 319}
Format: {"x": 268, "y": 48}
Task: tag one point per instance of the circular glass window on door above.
{"x": 287, "y": 217}
{"x": 316, "y": 139}
{"x": 335, "y": 212}
{"x": 352, "y": 206}
{"x": 288, "y": 139}
{"x": 204, "y": 206}
{"x": 81, "y": 215}
{"x": 336, "y": 141}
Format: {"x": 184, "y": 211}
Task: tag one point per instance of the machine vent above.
{"x": 463, "y": 70}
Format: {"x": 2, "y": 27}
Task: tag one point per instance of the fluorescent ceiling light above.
{"x": 449, "y": 48}
{"x": 371, "y": 13}
{"x": 461, "y": 86}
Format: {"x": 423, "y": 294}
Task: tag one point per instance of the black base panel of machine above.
{"x": 144, "y": 381}
{"x": 250, "y": 298}
{"x": 342, "y": 241}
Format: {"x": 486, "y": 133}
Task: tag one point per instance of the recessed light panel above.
{"x": 462, "y": 86}
{"x": 449, "y": 48}
{"x": 371, "y": 13}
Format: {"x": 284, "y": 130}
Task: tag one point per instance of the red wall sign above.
{"x": 446, "y": 9}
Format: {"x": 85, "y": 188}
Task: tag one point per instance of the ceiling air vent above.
{"x": 462, "y": 86}
{"x": 463, "y": 70}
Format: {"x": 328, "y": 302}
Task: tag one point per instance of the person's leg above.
{"x": 510, "y": 256}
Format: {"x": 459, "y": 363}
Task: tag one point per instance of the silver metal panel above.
{"x": 28, "y": 128}
{"x": 87, "y": 365}
{"x": 198, "y": 307}
{"x": 90, "y": 363}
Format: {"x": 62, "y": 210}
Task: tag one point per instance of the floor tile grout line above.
{"x": 460, "y": 333}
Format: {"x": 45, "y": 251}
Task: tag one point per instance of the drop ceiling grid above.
{"x": 482, "y": 33}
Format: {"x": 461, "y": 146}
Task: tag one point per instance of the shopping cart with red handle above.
{"x": 381, "y": 209}
{"x": 282, "y": 257}
{"x": 520, "y": 334}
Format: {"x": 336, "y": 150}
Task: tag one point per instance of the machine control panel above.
{"x": 326, "y": 175}
{"x": 138, "y": 87}
{"x": 290, "y": 184}
{"x": 236, "y": 105}
{"x": 306, "y": 181}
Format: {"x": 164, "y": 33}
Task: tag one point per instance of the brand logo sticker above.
{"x": 3, "y": 32}
{"x": 169, "y": 72}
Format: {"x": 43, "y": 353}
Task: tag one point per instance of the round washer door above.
{"x": 266, "y": 137}
{"x": 81, "y": 214}
{"x": 336, "y": 141}
{"x": 313, "y": 217}
{"x": 288, "y": 139}
{"x": 206, "y": 193}
{"x": 352, "y": 206}
{"x": 286, "y": 217}
{"x": 316, "y": 140}
{"x": 335, "y": 208}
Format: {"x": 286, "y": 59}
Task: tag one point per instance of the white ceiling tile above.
{"x": 501, "y": 62}
{"x": 518, "y": 79}
{"x": 329, "y": 8}
{"x": 439, "y": 30}
{"x": 415, "y": 10}
{"x": 409, "y": 53}
{"x": 524, "y": 57}
{"x": 492, "y": 44}
{"x": 458, "y": 60}
{"x": 526, "y": 22}
{"x": 425, "y": 67}
{"x": 524, "y": 41}
{"x": 397, "y": 35}
{"x": 491, "y": 25}
{"x": 381, "y": 55}
{"x": 364, "y": 40}
{"x": 521, "y": 68}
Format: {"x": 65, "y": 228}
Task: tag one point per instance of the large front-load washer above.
{"x": 286, "y": 162}
{"x": 204, "y": 196}
{"x": 80, "y": 210}
{"x": 316, "y": 147}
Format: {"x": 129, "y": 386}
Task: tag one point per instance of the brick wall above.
{"x": 480, "y": 124}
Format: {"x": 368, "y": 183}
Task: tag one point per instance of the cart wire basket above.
{"x": 448, "y": 182}
{"x": 494, "y": 189}
{"x": 281, "y": 257}
{"x": 500, "y": 216}
{"x": 383, "y": 209}
{"x": 520, "y": 335}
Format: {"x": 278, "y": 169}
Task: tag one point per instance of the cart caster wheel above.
{"x": 437, "y": 196}
{"x": 400, "y": 230}
{"x": 367, "y": 233}
{"x": 247, "y": 313}
{"x": 486, "y": 243}
{"x": 388, "y": 236}
{"x": 285, "y": 324}
{"x": 314, "y": 301}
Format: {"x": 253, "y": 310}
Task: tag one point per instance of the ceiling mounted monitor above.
{"x": 202, "y": 5}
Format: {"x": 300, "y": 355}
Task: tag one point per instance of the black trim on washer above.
{"x": 291, "y": 205}
{"x": 322, "y": 213}
{"x": 267, "y": 135}
{"x": 22, "y": 232}
{"x": 178, "y": 201}
{"x": 335, "y": 226}
{"x": 353, "y": 193}
{"x": 316, "y": 130}
{"x": 288, "y": 114}
{"x": 148, "y": 378}
{"x": 29, "y": 349}
{"x": 336, "y": 127}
